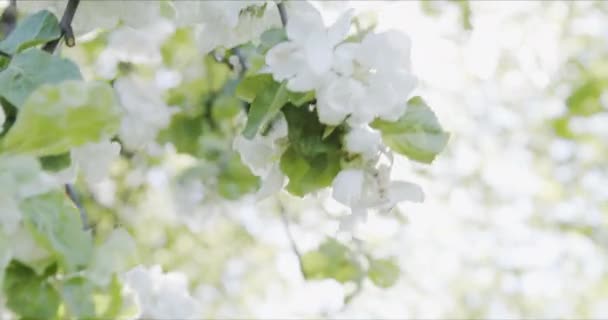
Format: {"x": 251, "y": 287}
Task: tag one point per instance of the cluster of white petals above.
{"x": 160, "y": 295}
{"x": 145, "y": 112}
{"x": 262, "y": 153}
{"x": 371, "y": 188}
{"x": 94, "y": 14}
{"x": 94, "y": 159}
{"x": 355, "y": 82}
{"x": 224, "y": 23}
{"x": 20, "y": 177}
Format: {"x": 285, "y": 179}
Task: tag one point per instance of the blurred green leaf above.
{"x": 38, "y": 28}
{"x": 57, "y": 162}
{"x": 184, "y": 132}
{"x": 264, "y": 108}
{"x": 251, "y": 86}
{"x": 236, "y": 179}
{"x": 585, "y": 100}
{"x": 417, "y": 134}
{"x": 383, "y": 273}
{"x": 55, "y": 224}
{"x": 28, "y": 294}
{"x": 332, "y": 260}
{"x": 114, "y": 304}
{"x": 29, "y": 70}
{"x": 77, "y": 294}
{"x": 56, "y": 118}
{"x": 311, "y": 161}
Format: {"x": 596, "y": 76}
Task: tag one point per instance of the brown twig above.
{"x": 8, "y": 20}
{"x": 66, "y": 27}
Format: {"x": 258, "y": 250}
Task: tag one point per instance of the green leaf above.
{"x": 251, "y": 86}
{"x": 55, "y": 224}
{"x": 561, "y": 127}
{"x": 264, "y": 108}
{"x": 308, "y": 175}
{"x": 271, "y": 38}
{"x": 585, "y": 100}
{"x": 300, "y": 98}
{"x": 114, "y": 304}
{"x": 29, "y": 295}
{"x": 56, "y": 118}
{"x": 56, "y": 163}
{"x": 38, "y": 28}
{"x": 77, "y": 294}
{"x": 384, "y": 273}
{"x": 332, "y": 260}
{"x": 417, "y": 134}
{"x": 184, "y": 133}
{"x": 311, "y": 161}
{"x": 236, "y": 179}
{"x": 29, "y": 70}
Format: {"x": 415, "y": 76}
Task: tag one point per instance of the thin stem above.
{"x": 292, "y": 242}
{"x": 66, "y": 27}
{"x": 73, "y": 194}
{"x": 68, "y": 35}
{"x": 8, "y": 20}
{"x": 282, "y": 13}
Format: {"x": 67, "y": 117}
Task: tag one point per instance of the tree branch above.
{"x": 8, "y": 20}
{"x": 66, "y": 27}
{"x": 282, "y": 13}
{"x": 292, "y": 242}
{"x": 71, "y": 192}
{"x": 68, "y": 35}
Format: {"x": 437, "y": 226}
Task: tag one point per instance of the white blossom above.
{"x": 262, "y": 153}
{"x": 145, "y": 112}
{"x": 160, "y": 295}
{"x": 94, "y": 159}
{"x": 372, "y": 188}
{"x": 224, "y": 23}
{"x": 20, "y": 177}
{"x": 363, "y": 140}
{"x": 306, "y": 58}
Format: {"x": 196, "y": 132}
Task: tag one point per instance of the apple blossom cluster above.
{"x": 245, "y": 99}
{"x": 358, "y": 80}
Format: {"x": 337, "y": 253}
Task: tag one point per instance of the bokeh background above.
{"x": 514, "y": 221}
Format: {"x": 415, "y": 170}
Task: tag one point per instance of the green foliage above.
{"x": 56, "y": 163}
{"x": 77, "y": 294}
{"x": 383, "y": 273}
{"x": 55, "y": 224}
{"x": 332, "y": 260}
{"x": 311, "y": 162}
{"x": 236, "y": 179}
{"x": 417, "y": 134}
{"x": 585, "y": 100}
{"x": 29, "y": 70}
{"x": 114, "y": 299}
{"x": 28, "y": 294}
{"x": 266, "y": 96}
{"x": 184, "y": 132}
{"x": 36, "y": 29}
{"x": 56, "y": 118}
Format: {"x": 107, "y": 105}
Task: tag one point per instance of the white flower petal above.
{"x": 339, "y": 30}
{"x": 284, "y": 60}
{"x": 319, "y": 52}
{"x": 363, "y": 140}
{"x": 272, "y": 183}
{"x": 303, "y": 81}
{"x": 303, "y": 19}
{"x": 405, "y": 191}
{"x": 348, "y": 186}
